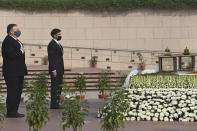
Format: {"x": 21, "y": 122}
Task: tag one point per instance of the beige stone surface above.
{"x": 137, "y": 30}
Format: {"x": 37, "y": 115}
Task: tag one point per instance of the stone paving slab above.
{"x": 93, "y": 124}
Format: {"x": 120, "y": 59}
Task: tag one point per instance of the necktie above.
{"x": 19, "y": 42}
{"x": 60, "y": 46}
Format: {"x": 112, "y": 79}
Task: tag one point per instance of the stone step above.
{"x": 92, "y": 76}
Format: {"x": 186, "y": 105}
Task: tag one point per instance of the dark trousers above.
{"x": 14, "y": 91}
{"x": 56, "y": 90}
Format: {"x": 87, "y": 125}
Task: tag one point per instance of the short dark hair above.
{"x": 55, "y": 31}
{"x": 9, "y": 27}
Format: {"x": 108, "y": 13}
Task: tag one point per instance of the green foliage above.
{"x": 141, "y": 58}
{"x": 66, "y": 89}
{"x": 97, "y": 5}
{"x": 104, "y": 82}
{"x": 94, "y": 59}
{"x": 37, "y": 111}
{"x": 2, "y": 108}
{"x": 80, "y": 83}
{"x": 73, "y": 114}
{"x": 27, "y": 84}
{"x": 45, "y": 58}
{"x": 113, "y": 116}
{"x": 121, "y": 79}
{"x": 163, "y": 81}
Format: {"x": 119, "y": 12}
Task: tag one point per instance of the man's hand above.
{"x": 22, "y": 49}
{"x": 54, "y": 74}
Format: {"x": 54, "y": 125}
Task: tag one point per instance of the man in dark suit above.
{"x": 14, "y": 69}
{"x": 56, "y": 67}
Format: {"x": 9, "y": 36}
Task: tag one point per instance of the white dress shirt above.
{"x": 19, "y": 43}
{"x": 58, "y": 43}
{"x": 59, "y": 46}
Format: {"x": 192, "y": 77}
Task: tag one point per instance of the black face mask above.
{"x": 17, "y": 33}
{"x": 59, "y": 38}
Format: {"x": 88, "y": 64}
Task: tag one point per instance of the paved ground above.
{"x": 92, "y": 123}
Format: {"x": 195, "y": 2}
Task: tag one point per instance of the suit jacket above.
{"x": 13, "y": 58}
{"x": 55, "y": 55}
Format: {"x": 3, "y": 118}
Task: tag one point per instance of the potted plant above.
{"x": 104, "y": 83}
{"x": 112, "y": 115}
{"x": 36, "y": 105}
{"x": 46, "y": 60}
{"x": 74, "y": 112}
{"x": 66, "y": 89}
{"x": 142, "y": 62}
{"x": 93, "y": 61}
{"x": 80, "y": 84}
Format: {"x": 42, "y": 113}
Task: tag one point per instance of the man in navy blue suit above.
{"x": 14, "y": 69}
{"x": 56, "y": 67}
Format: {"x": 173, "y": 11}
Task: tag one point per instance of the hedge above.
{"x": 97, "y": 5}
{"x": 163, "y": 81}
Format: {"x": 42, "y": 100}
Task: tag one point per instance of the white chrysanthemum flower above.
{"x": 128, "y": 118}
{"x": 188, "y": 101}
{"x": 166, "y": 114}
{"x": 192, "y": 108}
{"x": 174, "y": 102}
{"x": 158, "y": 110}
{"x": 183, "y": 97}
{"x": 138, "y": 118}
{"x": 185, "y": 120}
{"x": 161, "y": 118}
{"x": 155, "y": 119}
{"x": 160, "y": 106}
{"x": 132, "y": 118}
{"x": 171, "y": 120}
{"x": 166, "y": 119}
{"x": 162, "y": 114}
{"x": 175, "y": 115}
{"x": 156, "y": 115}
{"x": 148, "y": 118}
{"x": 130, "y": 113}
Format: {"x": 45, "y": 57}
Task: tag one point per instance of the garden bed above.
{"x": 174, "y": 104}
{"x": 161, "y": 98}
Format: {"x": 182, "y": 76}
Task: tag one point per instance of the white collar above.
{"x": 13, "y": 37}
{"x": 56, "y": 41}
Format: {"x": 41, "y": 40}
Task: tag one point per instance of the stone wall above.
{"x": 137, "y": 30}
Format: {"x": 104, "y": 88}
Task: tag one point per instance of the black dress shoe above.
{"x": 20, "y": 115}
{"x": 15, "y": 115}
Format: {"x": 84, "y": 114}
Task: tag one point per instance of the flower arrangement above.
{"x": 174, "y": 104}
{"x": 160, "y": 98}
{"x": 167, "y": 104}
{"x": 163, "y": 81}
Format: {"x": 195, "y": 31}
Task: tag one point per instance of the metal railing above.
{"x": 129, "y": 54}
